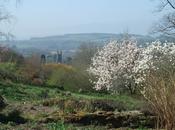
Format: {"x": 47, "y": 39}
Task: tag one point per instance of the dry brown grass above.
{"x": 160, "y": 92}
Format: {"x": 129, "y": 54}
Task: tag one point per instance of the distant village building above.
{"x": 59, "y": 57}
{"x": 43, "y": 59}
{"x": 52, "y": 57}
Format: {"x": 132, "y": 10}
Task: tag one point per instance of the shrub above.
{"x": 159, "y": 81}
{"x": 31, "y": 69}
{"x": 9, "y": 71}
{"x": 159, "y": 91}
{"x": 37, "y": 81}
{"x": 9, "y": 55}
{"x": 65, "y": 76}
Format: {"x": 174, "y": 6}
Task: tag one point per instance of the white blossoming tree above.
{"x": 114, "y": 65}
{"x": 150, "y": 57}
{"x": 151, "y": 67}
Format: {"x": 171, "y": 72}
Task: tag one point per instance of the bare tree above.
{"x": 166, "y": 3}
{"x": 167, "y": 22}
{"x": 171, "y": 3}
{"x": 82, "y": 58}
{"x": 5, "y": 17}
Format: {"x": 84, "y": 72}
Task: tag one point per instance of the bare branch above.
{"x": 170, "y": 3}
{"x": 167, "y": 23}
{"x": 6, "y": 17}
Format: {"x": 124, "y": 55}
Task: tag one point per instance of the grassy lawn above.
{"x": 128, "y": 100}
{"x": 33, "y": 109}
{"x": 21, "y": 93}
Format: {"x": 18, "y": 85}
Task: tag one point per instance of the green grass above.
{"x": 22, "y": 93}
{"x": 128, "y": 100}
{"x": 19, "y": 92}
{"x": 60, "y": 126}
{"x": 53, "y": 126}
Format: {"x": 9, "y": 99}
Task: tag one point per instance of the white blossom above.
{"x": 125, "y": 59}
{"x": 113, "y": 61}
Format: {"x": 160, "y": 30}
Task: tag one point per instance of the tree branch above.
{"x": 171, "y": 4}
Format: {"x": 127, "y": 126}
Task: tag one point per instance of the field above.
{"x": 49, "y": 108}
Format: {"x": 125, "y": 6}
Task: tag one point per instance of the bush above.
{"x": 31, "y": 70}
{"x": 9, "y": 55}
{"x": 65, "y": 76}
{"x": 159, "y": 90}
{"x": 37, "y": 81}
{"x": 9, "y": 71}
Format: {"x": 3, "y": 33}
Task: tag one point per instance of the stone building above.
{"x": 53, "y": 57}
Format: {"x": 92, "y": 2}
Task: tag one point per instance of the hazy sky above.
{"x": 35, "y": 18}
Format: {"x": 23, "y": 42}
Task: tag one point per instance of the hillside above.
{"x": 70, "y": 42}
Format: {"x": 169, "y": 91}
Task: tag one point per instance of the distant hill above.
{"x": 70, "y": 42}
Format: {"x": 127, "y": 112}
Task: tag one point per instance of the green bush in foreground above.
{"x": 67, "y": 77}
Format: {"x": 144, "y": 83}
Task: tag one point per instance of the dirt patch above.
{"x": 12, "y": 116}
{"x": 132, "y": 119}
{"x": 86, "y": 105}
{"x": 107, "y": 105}
{"x": 83, "y": 112}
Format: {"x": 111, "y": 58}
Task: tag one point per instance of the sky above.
{"x": 38, "y": 18}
